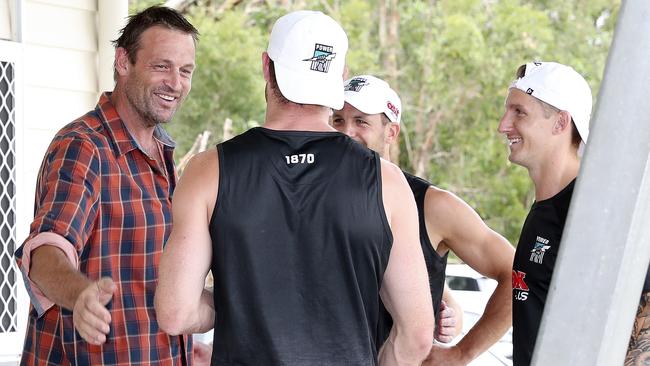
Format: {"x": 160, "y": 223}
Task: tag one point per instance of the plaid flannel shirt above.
{"x": 107, "y": 205}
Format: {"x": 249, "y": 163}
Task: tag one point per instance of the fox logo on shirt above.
{"x": 519, "y": 285}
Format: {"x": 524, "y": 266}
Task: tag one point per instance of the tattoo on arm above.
{"x": 638, "y": 351}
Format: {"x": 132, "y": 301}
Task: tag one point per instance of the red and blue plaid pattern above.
{"x": 100, "y": 191}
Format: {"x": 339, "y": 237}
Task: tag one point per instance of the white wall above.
{"x": 60, "y": 45}
{"x": 5, "y": 20}
{"x": 57, "y": 81}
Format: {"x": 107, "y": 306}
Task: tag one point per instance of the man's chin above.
{"x": 516, "y": 161}
{"x": 164, "y": 118}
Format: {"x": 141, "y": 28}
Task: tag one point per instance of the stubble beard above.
{"x": 141, "y": 98}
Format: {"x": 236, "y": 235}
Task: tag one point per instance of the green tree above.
{"x": 227, "y": 82}
{"x": 451, "y": 61}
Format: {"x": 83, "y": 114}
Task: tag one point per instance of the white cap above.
{"x": 562, "y": 87}
{"x": 308, "y": 51}
{"x": 372, "y": 95}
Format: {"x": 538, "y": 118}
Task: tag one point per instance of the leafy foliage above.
{"x": 455, "y": 60}
{"x": 228, "y": 80}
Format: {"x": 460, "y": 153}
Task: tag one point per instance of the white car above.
{"x": 461, "y": 277}
{"x": 472, "y": 290}
{"x": 499, "y": 354}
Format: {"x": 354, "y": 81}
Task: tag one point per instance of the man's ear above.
{"x": 393, "y": 132}
{"x": 122, "y": 62}
{"x": 265, "y": 66}
{"x": 562, "y": 123}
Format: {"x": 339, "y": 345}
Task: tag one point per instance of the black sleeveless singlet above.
{"x": 300, "y": 245}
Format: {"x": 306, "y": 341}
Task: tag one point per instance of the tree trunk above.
{"x": 389, "y": 46}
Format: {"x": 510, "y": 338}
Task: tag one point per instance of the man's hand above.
{"x": 202, "y": 354}
{"x": 443, "y": 355}
{"x": 89, "y": 315}
{"x": 446, "y": 328}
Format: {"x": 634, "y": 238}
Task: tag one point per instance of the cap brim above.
{"x": 310, "y": 87}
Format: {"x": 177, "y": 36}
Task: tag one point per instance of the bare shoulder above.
{"x": 396, "y": 194}
{"x": 206, "y": 160}
{"x": 202, "y": 167}
{"x": 444, "y": 205}
{"x": 391, "y": 173}
{"x": 200, "y": 180}
{"x": 394, "y": 183}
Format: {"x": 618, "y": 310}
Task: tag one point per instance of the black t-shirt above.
{"x": 436, "y": 264}
{"x": 532, "y": 269}
{"x": 300, "y": 244}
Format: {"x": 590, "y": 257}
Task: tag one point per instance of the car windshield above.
{"x": 460, "y": 283}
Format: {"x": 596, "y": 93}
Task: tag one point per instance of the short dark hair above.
{"x": 153, "y": 16}
{"x": 521, "y": 71}
{"x": 385, "y": 120}
{"x": 548, "y": 109}
{"x": 273, "y": 84}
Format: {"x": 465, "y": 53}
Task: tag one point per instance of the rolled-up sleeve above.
{"x": 67, "y": 193}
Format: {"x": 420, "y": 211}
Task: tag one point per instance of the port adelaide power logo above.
{"x": 539, "y": 249}
{"x": 356, "y": 84}
{"x": 323, "y": 56}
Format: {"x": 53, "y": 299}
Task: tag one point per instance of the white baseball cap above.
{"x": 560, "y": 86}
{"x": 308, "y": 50}
{"x": 372, "y": 95}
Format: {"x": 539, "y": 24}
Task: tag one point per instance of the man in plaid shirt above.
{"x": 103, "y": 210}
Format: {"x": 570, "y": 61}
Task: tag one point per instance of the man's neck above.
{"x": 140, "y": 131}
{"x": 554, "y": 176}
{"x": 299, "y": 117}
{"x": 385, "y": 153}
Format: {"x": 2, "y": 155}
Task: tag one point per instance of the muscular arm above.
{"x": 182, "y": 304}
{"x": 458, "y": 227}
{"x": 54, "y": 275}
{"x": 67, "y": 190}
{"x": 405, "y": 287}
{"x": 65, "y": 286}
